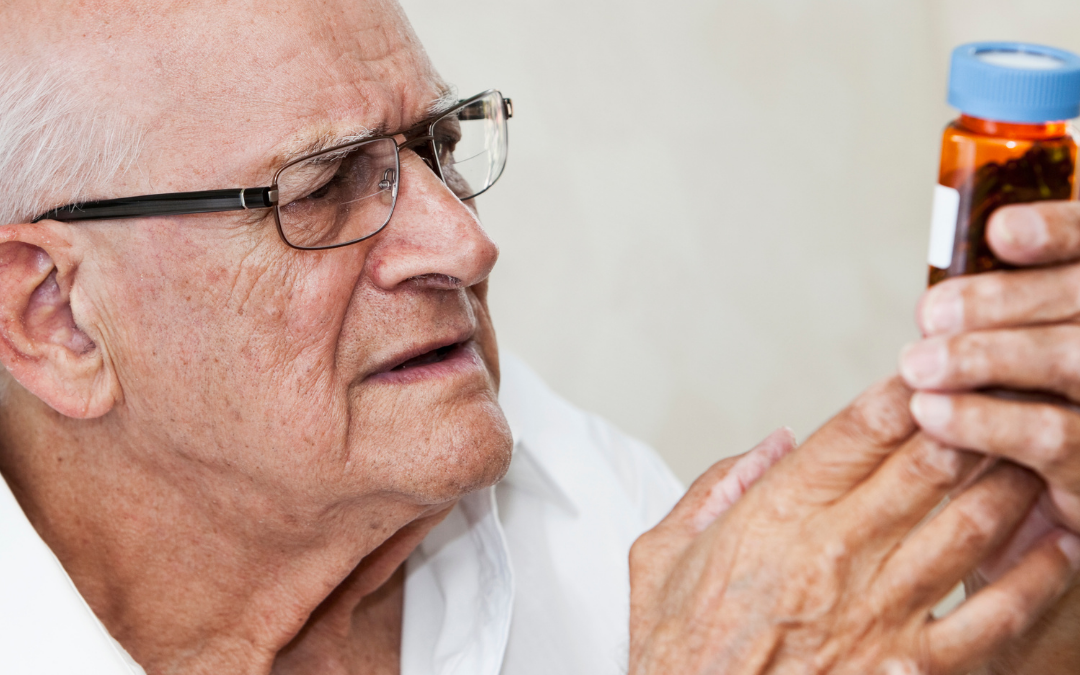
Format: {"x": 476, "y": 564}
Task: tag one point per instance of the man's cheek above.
{"x": 485, "y": 328}
{"x": 480, "y": 293}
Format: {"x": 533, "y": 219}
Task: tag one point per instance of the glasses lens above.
{"x": 339, "y": 196}
{"x": 471, "y": 145}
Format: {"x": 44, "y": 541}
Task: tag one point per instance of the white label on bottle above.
{"x": 943, "y": 226}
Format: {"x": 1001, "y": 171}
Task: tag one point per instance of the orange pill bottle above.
{"x": 1011, "y": 144}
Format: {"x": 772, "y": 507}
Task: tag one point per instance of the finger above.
{"x": 1041, "y": 436}
{"x": 933, "y": 559}
{"x": 850, "y": 446}
{"x": 713, "y": 492}
{"x": 742, "y": 474}
{"x": 1035, "y": 234}
{"x": 1001, "y": 300}
{"x": 1045, "y": 358}
{"x": 655, "y": 551}
{"x": 907, "y": 487}
{"x": 1002, "y": 611}
{"x": 1039, "y": 522}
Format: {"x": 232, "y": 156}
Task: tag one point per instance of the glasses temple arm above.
{"x": 171, "y": 204}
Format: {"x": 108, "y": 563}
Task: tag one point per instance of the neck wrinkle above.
{"x": 177, "y": 582}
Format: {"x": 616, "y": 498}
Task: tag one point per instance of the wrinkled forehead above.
{"x": 221, "y": 84}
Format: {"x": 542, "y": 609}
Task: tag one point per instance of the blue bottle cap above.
{"x": 1015, "y": 82}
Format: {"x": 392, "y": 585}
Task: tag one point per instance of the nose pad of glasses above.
{"x": 388, "y": 179}
{"x": 423, "y": 153}
{"x": 424, "y": 149}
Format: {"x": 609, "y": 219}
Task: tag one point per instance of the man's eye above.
{"x": 447, "y": 142}
{"x": 324, "y": 184}
{"x": 446, "y": 145}
{"x": 323, "y": 190}
{"x": 352, "y": 173}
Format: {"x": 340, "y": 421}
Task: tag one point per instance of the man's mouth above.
{"x": 427, "y": 358}
{"x": 450, "y": 356}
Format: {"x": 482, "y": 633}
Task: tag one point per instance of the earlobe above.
{"x": 41, "y": 345}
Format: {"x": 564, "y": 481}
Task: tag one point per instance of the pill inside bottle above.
{"x": 1011, "y": 144}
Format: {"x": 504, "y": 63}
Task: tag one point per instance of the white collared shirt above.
{"x": 528, "y": 577}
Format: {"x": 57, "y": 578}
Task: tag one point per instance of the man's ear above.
{"x": 40, "y": 344}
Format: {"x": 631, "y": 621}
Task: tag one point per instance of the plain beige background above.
{"x": 715, "y": 216}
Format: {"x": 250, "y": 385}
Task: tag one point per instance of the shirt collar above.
{"x": 459, "y": 594}
{"x": 42, "y": 608}
{"x": 459, "y": 588}
{"x": 462, "y": 565}
{"x": 542, "y": 461}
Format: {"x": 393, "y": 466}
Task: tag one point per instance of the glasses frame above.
{"x": 418, "y": 138}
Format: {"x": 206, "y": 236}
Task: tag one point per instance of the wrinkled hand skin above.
{"x": 828, "y": 562}
{"x": 1016, "y": 330}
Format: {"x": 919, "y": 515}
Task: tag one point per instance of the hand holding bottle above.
{"x": 823, "y": 565}
{"x": 1015, "y": 330}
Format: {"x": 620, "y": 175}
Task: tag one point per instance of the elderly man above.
{"x": 252, "y": 403}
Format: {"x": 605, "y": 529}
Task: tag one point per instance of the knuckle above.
{"x": 970, "y": 353}
{"x": 642, "y": 548}
{"x": 936, "y": 465}
{"x": 1011, "y": 617}
{"x": 1053, "y": 435}
{"x": 822, "y": 576}
{"x": 973, "y": 527}
{"x": 1064, "y": 355}
{"x": 652, "y": 548}
{"x": 986, "y": 293}
{"x": 881, "y": 414}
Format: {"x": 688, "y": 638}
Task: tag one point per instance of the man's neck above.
{"x": 187, "y": 587}
{"x": 346, "y": 635}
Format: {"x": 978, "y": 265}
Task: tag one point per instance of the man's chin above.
{"x": 476, "y": 454}
{"x": 439, "y": 451}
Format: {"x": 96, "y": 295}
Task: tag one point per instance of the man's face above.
{"x": 308, "y": 380}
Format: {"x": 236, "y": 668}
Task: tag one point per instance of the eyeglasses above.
{"x": 347, "y": 193}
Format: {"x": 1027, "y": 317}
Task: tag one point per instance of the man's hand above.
{"x": 823, "y": 567}
{"x": 1017, "y": 330}
{"x": 1013, "y": 330}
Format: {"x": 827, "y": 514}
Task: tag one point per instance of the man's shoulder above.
{"x": 579, "y": 450}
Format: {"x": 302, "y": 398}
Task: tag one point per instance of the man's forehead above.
{"x": 220, "y": 92}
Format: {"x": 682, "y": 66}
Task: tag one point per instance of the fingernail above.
{"x": 943, "y": 310}
{"x": 931, "y": 411}
{"x": 1023, "y": 227}
{"x": 923, "y": 363}
{"x": 791, "y": 435}
{"x": 1070, "y": 546}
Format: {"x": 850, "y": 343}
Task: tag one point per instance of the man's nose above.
{"x": 432, "y": 235}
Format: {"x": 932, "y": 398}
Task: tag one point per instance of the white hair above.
{"x": 56, "y": 147}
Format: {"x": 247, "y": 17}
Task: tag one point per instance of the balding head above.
{"x": 205, "y": 341}
{"x": 195, "y": 368}
{"x": 116, "y": 75}
{"x": 198, "y": 404}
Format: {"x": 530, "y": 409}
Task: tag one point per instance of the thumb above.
{"x": 711, "y": 494}
{"x": 743, "y": 473}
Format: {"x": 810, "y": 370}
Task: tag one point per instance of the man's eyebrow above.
{"x": 325, "y": 141}
{"x": 446, "y": 100}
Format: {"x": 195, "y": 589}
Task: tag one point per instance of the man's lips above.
{"x": 425, "y": 354}
{"x": 433, "y": 356}
{"x": 441, "y": 362}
